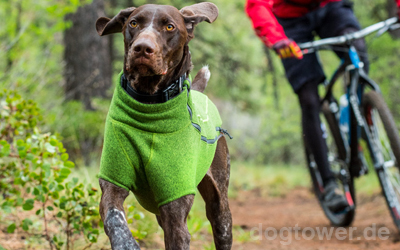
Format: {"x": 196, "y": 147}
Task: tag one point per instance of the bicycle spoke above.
{"x": 395, "y": 181}
{"x": 394, "y": 201}
{"x": 387, "y": 158}
{"x": 381, "y": 137}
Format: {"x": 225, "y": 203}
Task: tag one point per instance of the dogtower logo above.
{"x": 287, "y": 235}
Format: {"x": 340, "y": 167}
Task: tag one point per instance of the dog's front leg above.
{"x": 113, "y": 216}
{"x": 172, "y": 219}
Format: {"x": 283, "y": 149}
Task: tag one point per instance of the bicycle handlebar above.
{"x": 382, "y": 27}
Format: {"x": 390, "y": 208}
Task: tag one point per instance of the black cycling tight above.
{"x": 312, "y": 132}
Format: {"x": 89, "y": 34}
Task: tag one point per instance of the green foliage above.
{"x": 31, "y": 55}
{"x": 36, "y": 185}
{"x": 34, "y": 169}
{"x": 29, "y": 41}
{"x": 383, "y": 53}
{"x": 82, "y": 130}
{"x": 132, "y": 216}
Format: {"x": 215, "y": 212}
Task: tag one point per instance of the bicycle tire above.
{"x": 345, "y": 218}
{"x": 373, "y": 100}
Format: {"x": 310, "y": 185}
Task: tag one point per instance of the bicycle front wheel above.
{"x": 336, "y": 158}
{"x": 384, "y": 146}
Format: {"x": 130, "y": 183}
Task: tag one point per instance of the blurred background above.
{"x": 51, "y": 53}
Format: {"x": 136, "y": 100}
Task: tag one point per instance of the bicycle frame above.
{"x": 357, "y": 82}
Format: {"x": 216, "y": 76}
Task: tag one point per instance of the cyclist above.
{"x": 281, "y": 24}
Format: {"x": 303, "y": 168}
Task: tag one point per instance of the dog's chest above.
{"x": 163, "y": 153}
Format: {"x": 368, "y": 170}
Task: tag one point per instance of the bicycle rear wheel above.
{"x": 336, "y": 157}
{"x": 385, "y": 149}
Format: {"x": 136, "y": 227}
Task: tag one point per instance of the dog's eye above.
{"x": 169, "y": 27}
{"x": 133, "y": 24}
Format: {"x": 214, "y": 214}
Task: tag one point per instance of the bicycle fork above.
{"x": 343, "y": 175}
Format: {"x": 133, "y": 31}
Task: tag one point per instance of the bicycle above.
{"x": 366, "y": 117}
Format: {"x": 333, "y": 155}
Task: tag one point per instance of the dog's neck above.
{"x": 151, "y": 84}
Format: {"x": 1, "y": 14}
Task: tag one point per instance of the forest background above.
{"x": 51, "y": 53}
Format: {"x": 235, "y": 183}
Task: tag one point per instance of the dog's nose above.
{"x": 144, "y": 47}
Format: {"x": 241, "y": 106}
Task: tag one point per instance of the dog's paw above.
{"x": 201, "y": 79}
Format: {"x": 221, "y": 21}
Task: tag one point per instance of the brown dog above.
{"x": 156, "y": 56}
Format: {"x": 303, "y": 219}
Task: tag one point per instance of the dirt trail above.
{"x": 301, "y": 209}
{"x": 256, "y": 213}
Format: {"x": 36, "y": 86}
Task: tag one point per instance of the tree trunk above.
{"x": 391, "y": 8}
{"x": 87, "y": 56}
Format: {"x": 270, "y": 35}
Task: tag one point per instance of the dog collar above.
{"x": 160, "y": 96}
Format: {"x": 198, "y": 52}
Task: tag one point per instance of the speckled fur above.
{"x": 117, "y": 230}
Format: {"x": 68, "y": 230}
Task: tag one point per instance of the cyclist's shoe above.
{"x": 334, "y": 198}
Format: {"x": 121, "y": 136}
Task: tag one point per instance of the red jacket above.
{"x": 262, "y": 13}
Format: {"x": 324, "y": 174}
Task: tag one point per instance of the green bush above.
{"x": 34, "y": 170}
{"x": 81, "y": 130}
{"x": 37, "y": 194}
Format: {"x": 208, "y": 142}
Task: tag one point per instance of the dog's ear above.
{"x": 105, "y": 25}
{"x": 197, "y": 13}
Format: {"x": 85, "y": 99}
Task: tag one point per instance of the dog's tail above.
{"x": 201, "y": 79}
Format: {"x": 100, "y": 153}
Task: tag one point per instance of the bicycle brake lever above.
{"x": 382, "y": 31}
{"x": 394, "y": 26}
{"x": 387, "y": 28}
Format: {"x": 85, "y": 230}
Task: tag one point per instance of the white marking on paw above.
{"x": 226, "y": 230}
{"x": 121, "y": 213}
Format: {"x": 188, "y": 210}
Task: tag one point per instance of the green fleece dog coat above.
{"x": 160, "y": 152}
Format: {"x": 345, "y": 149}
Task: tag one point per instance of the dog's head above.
{"x": 156, "y": 39}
